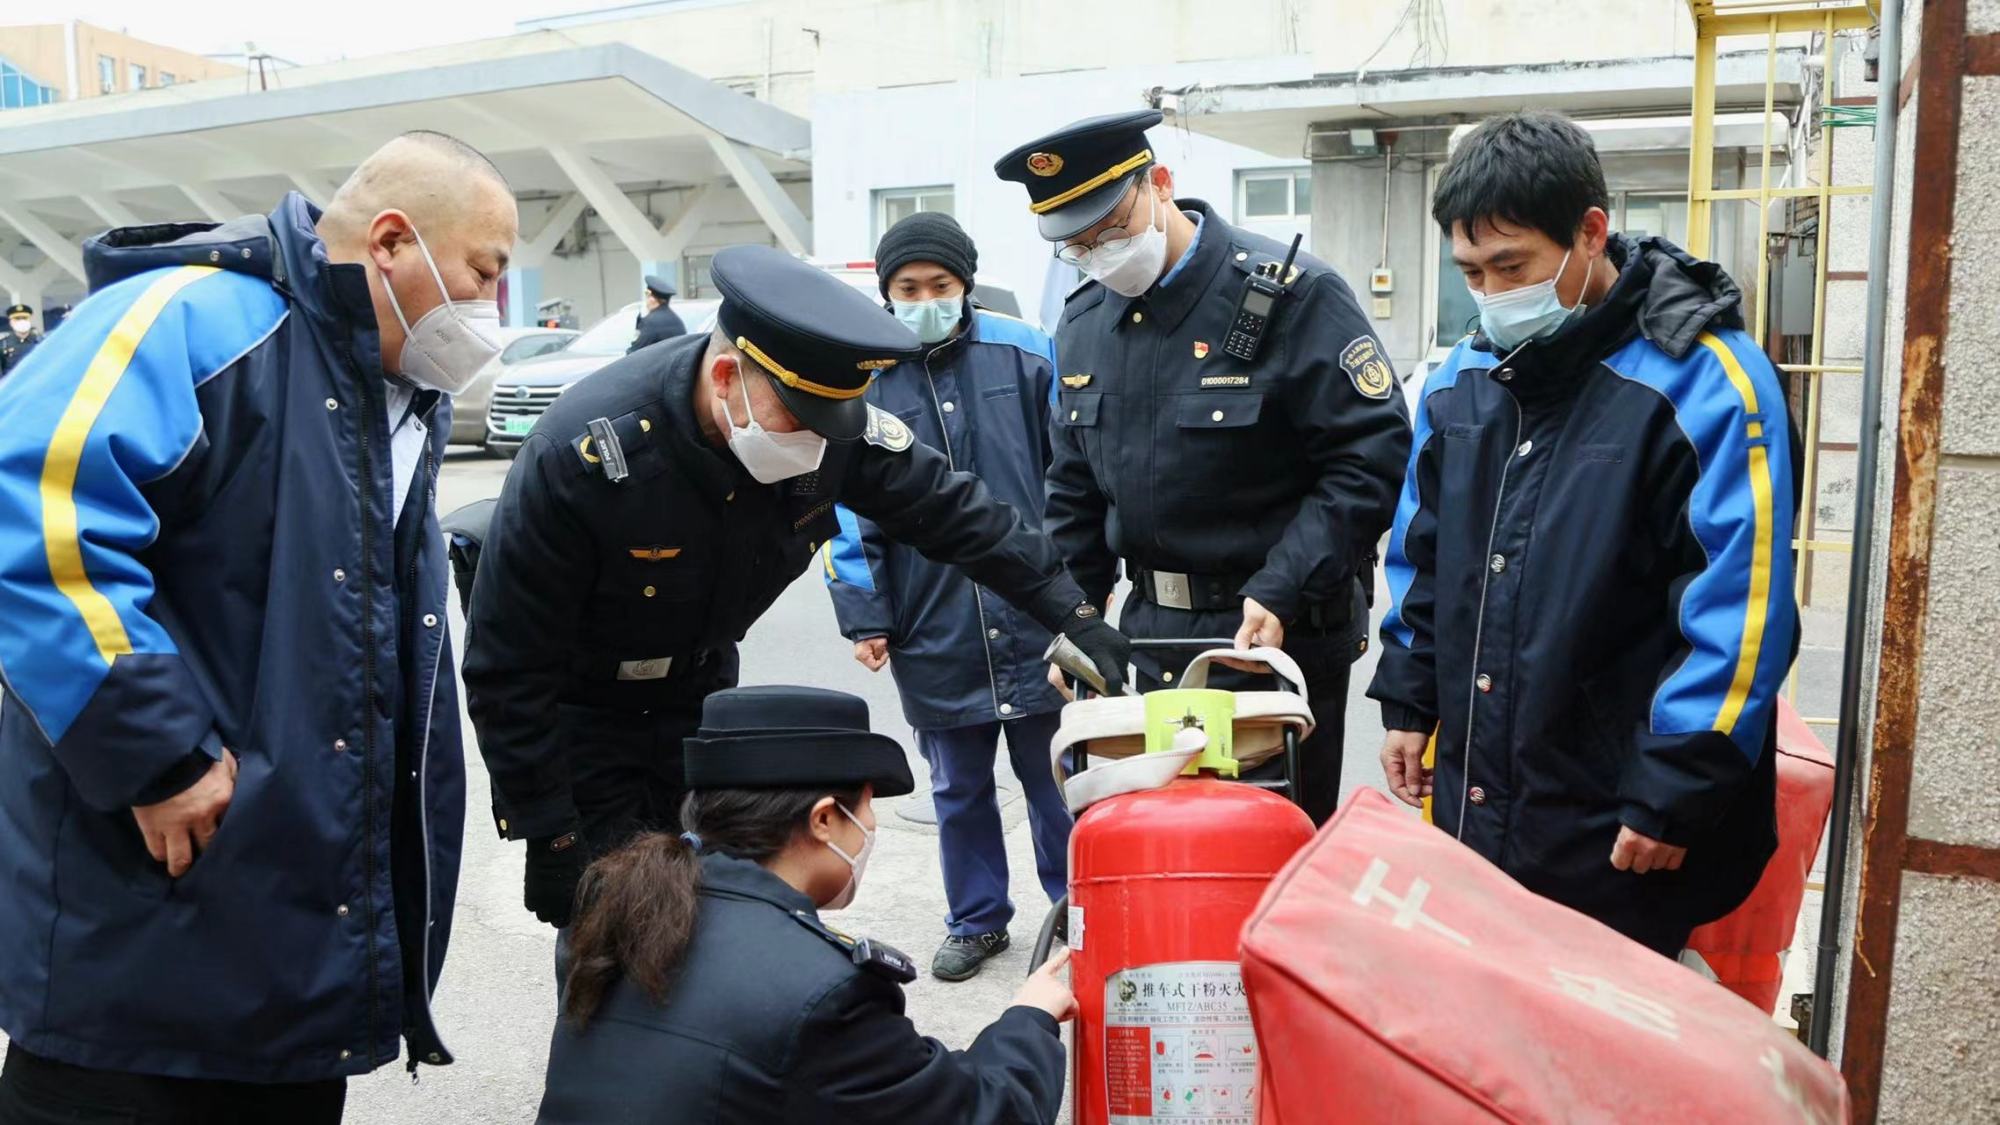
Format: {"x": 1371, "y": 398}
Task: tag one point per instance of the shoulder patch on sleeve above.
{"x": 1367, "y": 367}
{"x": 887, "y": 430}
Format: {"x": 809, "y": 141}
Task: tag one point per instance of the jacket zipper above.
{"x": 1479, "y": 622}
{"x": 978, "y": 603}
{"x": 367, "y": 426}
{"x": 422, "y": 778}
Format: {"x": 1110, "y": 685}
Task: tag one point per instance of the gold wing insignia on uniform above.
{"x": 653, "y": 554}
{"x": 1076, "y": 382}
{"x": 887, "y": 430}
{"x": 1367, "y": 367}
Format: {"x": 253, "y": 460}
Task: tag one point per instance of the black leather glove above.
{"x": 1107, "y": 648}
{"x": 555, "y": 867}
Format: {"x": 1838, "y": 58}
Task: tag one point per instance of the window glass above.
{"x": 167, "y": 78}
{"x": 1457, "y": 314}
{"x": 1267, "y": 197}
{"x": 1665, "y": 214}
{"x": 107, "y": 74}
{"x": 137, "y": 76}
{"x": 1302, "y": 193}
{"x": 893, "y": 205}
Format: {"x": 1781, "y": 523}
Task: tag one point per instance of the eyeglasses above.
{"x": 1075, "y": 253}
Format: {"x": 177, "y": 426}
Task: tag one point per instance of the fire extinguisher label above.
{"x": 1075, "y": 938}
{"x": 1179, "y": 1048}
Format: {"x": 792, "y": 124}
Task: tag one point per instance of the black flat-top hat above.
{"x": 19, "y": 310}
{"x": 792, "y": 738}
{"x": 659, "y": 286}
{"x": 1078, "y": 173}
{"x": 821, "y": 339}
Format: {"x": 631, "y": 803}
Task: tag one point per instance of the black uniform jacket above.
{"x": 771, "y": 1021}
{"x": 14, "y": 349}
{"x": 628, "y": 595}
{"x": 662, "y": 323}
{"x": 1176, "y": 456}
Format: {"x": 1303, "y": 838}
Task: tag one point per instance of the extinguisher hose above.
{"x": 1058, "y": 919}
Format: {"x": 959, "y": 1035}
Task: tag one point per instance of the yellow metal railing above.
{"x": 1715, "y": 20}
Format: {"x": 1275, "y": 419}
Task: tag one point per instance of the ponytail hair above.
{"x": 638, "y": 903}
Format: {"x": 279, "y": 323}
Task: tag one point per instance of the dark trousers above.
{"x": 626, "y": 777}
{"x": 971, "y": 846}
{"x": 39, "y": 1091}
{"x": 625, "y": 770}
{"x": 1325, "y": 657}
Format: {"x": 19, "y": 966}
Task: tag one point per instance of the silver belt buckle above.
{"x": 1172, "y": 590}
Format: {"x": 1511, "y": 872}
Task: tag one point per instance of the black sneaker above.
{"x": 959, "y": 958}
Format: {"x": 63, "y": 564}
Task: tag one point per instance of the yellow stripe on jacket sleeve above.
{"x": 1759, "y": 603}
{"x": 59, "y": 470}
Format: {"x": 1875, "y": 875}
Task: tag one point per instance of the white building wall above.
{"x": 869, "y": 140}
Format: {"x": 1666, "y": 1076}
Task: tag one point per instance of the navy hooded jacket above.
{"x": 199, "y": 549}
{"x": 960, "y": 654}
{"x": 1591, "y": 568}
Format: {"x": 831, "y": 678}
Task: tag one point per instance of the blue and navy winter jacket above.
{"x": 1591, "y": 568}
{"x": 199, "y": 550}
{"x": 960, "y": 654}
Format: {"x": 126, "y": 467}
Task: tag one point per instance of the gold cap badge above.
{"x": 1045, "y": 163}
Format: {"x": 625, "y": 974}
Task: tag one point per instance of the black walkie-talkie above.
{"x": 1258, "y": 302}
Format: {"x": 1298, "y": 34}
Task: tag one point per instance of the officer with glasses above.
{"x": 1227, "y": 423}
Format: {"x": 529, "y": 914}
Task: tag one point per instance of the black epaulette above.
{"x": 869, "y": 955}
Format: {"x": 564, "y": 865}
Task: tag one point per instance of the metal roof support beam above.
{"x": 315, "y": 188}
{"x": 110, "y": 210}
{"x": 793, "y": 229}
{"x": 619, "y": 213}
{"x": 63, "y": 251}
{"x": 681, "y": 231}
{"x": 28, "y": 285}
{"x": 210, "y": 202}
{"x": 534, "y": 250}
{"x": 19, "y": 283}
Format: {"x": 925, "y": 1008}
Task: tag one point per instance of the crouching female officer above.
{"x": 704, "y": 990}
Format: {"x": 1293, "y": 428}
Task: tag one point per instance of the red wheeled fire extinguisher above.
{"x": 1162, "y": 881}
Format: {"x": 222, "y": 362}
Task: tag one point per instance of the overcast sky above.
{"x": 343, "y": 29}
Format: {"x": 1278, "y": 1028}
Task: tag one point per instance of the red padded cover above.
{"x": 1396, "y": 976}
{"x": 1746, "y": 946}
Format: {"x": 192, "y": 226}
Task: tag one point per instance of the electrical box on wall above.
{"x": 1381, "y": 308}
{"x": 1381, "y": 282}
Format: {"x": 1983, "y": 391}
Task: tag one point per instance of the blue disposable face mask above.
{"x": 932, "y": 320}
{"x": 1532, "y": 312}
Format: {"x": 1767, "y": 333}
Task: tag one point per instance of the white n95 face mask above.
{"x": 1130, "y": 266}
{"x": 446, "y": 347}
{"x": 858, "y": 862}
{"x": 768, "y": 457}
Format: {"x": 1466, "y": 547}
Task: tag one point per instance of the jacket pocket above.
{"x": 1210, "y": 411}
{"x": 1079, "y": 408}
{"x": 1218, "y": 447}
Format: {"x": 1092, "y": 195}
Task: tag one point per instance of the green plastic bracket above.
{"x": 1214, "y": 712}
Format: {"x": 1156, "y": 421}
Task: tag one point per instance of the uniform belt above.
{"x": 1210, "y": 592}
{"x": 1188, "y": 591}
